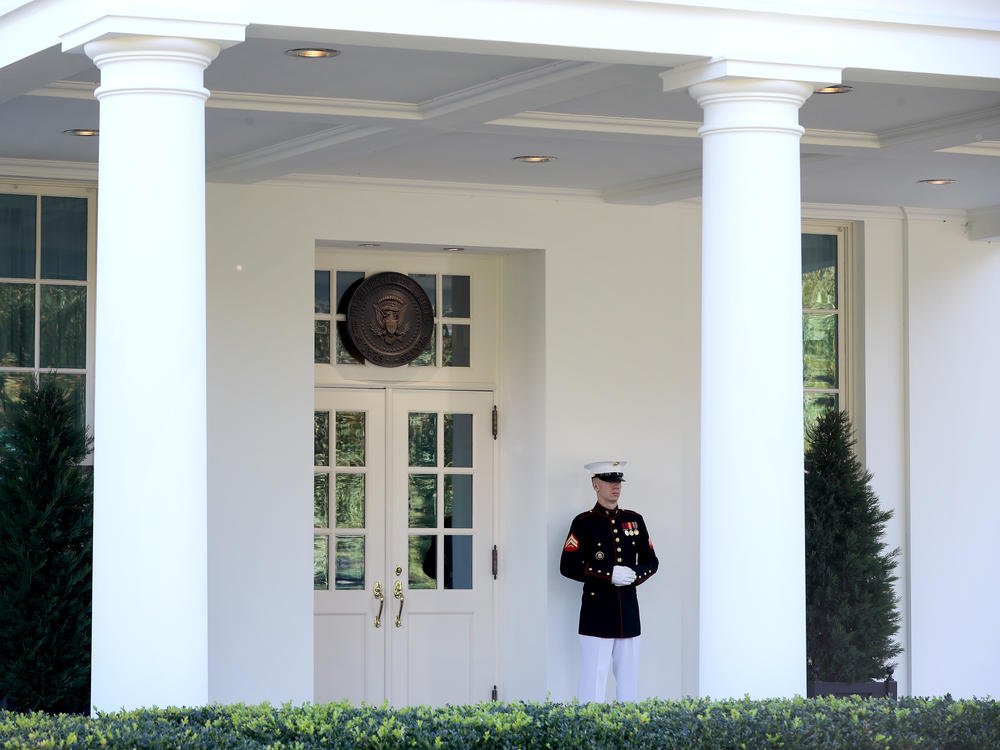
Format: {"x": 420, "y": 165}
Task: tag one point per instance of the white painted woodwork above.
{"x": 150, "y": 538}
{"x": 479, "y": 264}
{"x": 350, "y": 652}
{"x": 444, "y": 648}
{"x": 752, "y": 590}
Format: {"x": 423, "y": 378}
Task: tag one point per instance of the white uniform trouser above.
{"x": 596, "y": 656}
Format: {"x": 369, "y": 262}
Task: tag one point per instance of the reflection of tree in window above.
{"x": 422, "y": 439}
{"x": 820, "y": 325}
{"x": 350, "y": 501}
{"x": 350, "y": 437}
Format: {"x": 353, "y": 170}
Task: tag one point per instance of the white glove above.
{"x": 622, "y": 576}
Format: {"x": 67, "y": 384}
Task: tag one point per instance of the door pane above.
{"x": 426, "y": 358}
{"x": 423, "y": 501}
{"x": 819, "y": 351}
{"x": 12, "y": 385}
{"x": 321, "y": 562}
{"x": 350, "y": 426}
{"x": 350, "y": 501}
{"x": 455, "y": 296}
{"x": 423, "y": 439}
{"x": 455, "y": 351}
{"x": 74, "y": 386}
{"x": 321, "y": 438}
{"x": 817, "y": 404}
{"x": 322, "y": 292}
{"x": 458, "y": 501}
{"x": 428, "y": 282}
{"x": 17, "y": 325}
{"x": 17, "y": 236}
{"x": 64, "y": 326}
{"x": 321, "y": 501}
{"x": 458, "y": 440}
{"x": 346, "y": 355}
{"x": 350, "y": 563}
{"x": 458, "y": 562}
{"x": 321, "y": 342}
{"x": 347, "y": 282}
{"x": 64, "y": 238}
{"x": 422, "y": 562}
{"x": 819, "y": 271}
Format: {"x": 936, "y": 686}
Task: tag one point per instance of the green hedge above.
{"x": 693, "y": 724}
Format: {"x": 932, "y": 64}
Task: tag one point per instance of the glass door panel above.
{"x": 442, "y": 543}
{"x": 402, "y": 499}
{"x": 349, "y": 544}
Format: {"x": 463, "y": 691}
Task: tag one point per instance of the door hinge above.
{"x": 494, "y": 696}
{"x": 496, "y": 421}
{"x": 495, "y": 560}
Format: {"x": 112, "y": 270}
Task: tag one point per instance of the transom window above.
{"x": 463, "y": 290}
{"x": 450, "y": 297}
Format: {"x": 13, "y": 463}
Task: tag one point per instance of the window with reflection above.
{"x": 440, "y": 500}
{"x": 450, "y": 296}
{"x": 822, "y": 324}
{"x": 44, "y": 282}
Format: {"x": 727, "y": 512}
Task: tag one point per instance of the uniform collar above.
{"x": 600, "y": 509}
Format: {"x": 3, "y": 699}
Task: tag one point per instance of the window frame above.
{"x": 484, "y": 278}
{"x": 846, "y": 308}
{"x": 62, "y": 190}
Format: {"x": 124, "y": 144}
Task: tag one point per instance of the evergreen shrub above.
{"x": 691, "y": 724}
{"x": 851, "y": 612}
{"x": 46, "y": 517}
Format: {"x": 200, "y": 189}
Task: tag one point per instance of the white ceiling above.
{"x": 376, "y": 113}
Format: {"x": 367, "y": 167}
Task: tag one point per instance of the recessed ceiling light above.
{"x": 369, "y": 244}
{"x": 535, "y": 159}
{"x": 837, "y": 88}
{"x": 312, "y": 52}
{"x": 453, "y": 249}
{"x": 938, "y": 181}
{"x": 82, "y": 131}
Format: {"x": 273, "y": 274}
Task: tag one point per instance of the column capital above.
{"x": 726, "y": 68}
{"x": 137, "y": 64}
{"x": 223, "y": 32}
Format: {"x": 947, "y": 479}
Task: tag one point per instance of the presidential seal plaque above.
{"x": 390, "y": 319}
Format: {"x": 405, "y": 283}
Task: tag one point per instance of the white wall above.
{"x": 954, "y": 444}
{"x": 522, "y": 468}
{"x": 260, "y": 403}
{"x": 882, "y": 422}
{"x": 600, "y": 353}
{"x": 607, "y": 311}
{"x": 622, "y": 312}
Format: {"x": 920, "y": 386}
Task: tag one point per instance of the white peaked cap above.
{"x": 606, "y": 467}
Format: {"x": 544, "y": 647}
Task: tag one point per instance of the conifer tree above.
{"x": 46, "y": 512}
{"x": 851, "y": 608}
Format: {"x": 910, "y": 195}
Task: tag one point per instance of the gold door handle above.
{"x": 381, "y": 603}
{"x": 397, "y": 592}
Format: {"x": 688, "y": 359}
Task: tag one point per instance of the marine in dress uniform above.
{"x": 609, "y": 551}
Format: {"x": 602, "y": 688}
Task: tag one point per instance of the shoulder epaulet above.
{"x": 583, "y": 515}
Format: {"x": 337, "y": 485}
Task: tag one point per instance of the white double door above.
{"x": 403, "y": 546}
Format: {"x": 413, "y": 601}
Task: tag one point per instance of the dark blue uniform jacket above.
{"x": 598, "y": 541}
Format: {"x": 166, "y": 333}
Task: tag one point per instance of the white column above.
{"x": 150, "y": 557}
{"x": 752, "y": 588}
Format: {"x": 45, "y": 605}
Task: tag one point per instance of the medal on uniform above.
{"x": 598, "y": 555}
